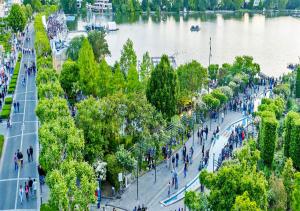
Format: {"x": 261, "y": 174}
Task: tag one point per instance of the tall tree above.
{"x": 162, "y": 88}
{"x": 89, "y": 75}
{"x": 105, "y": 79}
{"x": 17, "y": 18}
{"x": 99, "y": 44}
{"x": 69, "y": 79}
{"x": 243, "y": 203}
{"x": 145, "y": 68}
{"x": 296, "y": 193}
{"x": 74, "y": 48}
{"x": 133, "y": 83}
{"x": 119, "y": 83}
{"x": 128, "y": 57}
{"x": 298, "y": 83}
{"x": 288, "y": 177}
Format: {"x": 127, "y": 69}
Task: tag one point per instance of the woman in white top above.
{"x": 34, "y": 187}
{"x": 21, "y": 193}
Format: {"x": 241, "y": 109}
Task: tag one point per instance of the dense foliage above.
{"x": 16, "y": 18}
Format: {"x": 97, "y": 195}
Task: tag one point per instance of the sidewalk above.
{"x": 151, "y": 193}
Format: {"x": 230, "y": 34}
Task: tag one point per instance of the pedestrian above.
{"x": 21, "y": 193}
{"x": 177, "y": 159}
{"x": 206, "y": 132}
{"x": 15, "y": 107}
{"x": 42, "y": 174}
{"x": 169, "y": 188}
{"x": 222, "y": 116}
{"x": 191, "y": 154}
{"x": 30, "y": 183}
{"x": 185, "y": 169}
{"x": 31, "y": 152}
{"x": 34, "y": 187}
{"x": 16, "y": 162}
{"x": 18, "y": 106}
{"x": 26, "y": 191}
{"x": 173, "y": 162}
{"x": 28, "y": 154}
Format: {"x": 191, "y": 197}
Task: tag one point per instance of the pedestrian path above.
{"x": 21, "y": 135}
{"x": 151, "y": 193}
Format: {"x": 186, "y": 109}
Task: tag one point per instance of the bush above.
{"x": 113, "y": 169}
{"x": 298, "y": 83}
{"x": 11, "y": 90}
{"x": 295, "y": 144}
{"x": 1, "y": 143}
{"x": 5, "y": 114}
{"x": 8, "y": 101}
{"x": 6, "y": 107}
{"x": 47, "y": 207}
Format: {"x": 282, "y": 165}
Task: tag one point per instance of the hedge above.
{"x": 298, "y": 83}
{"x": 1, "y": 143}
{"x": 295, "y": 144}
{"x": 8, "y": 101}
{"x": 268, "y": 138}
{"x": 5, "y": 114}
{"x": 288, "y": 125}
{"x": 11, "y": 90}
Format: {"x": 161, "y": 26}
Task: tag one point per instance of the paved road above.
{"x": 22, "y": 135}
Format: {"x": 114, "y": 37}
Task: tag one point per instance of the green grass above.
{"x": 1, "y": 143}
{"x": 8, "y": 101}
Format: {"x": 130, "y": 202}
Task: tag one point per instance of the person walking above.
{"x": 16, "y": 162}
{"x": 177, "y": 159}
{"x": 15, "y": 107}
{"x": 34, "y": 187}
{"x": 28, "y": 154}
{"x": 206, "y": 132}
{"x": 169, "y": 188}
{"x": 31, "y": 152}
{"x": 173, "y": 162}
{"x": 30, "y": 183}
{"x": 21, "y": 194}
{"x": 26, "y": 191}
{"x": 185, "y": 169}
{"x": 18, "y": 106}
{"x": 222, "y": 116}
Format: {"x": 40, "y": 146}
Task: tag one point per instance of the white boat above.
{"x": 111, "y": 26}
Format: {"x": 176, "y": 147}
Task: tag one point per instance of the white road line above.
{"x": 16, "y": 93}
{"x": 34, "y": 121}
{"x": 21, "y": 145}
{"x": 24, "y": 134}
{"x": 13, "y": 179}
{"x": 20, "y": 210}
{"x": 26, "y": 100}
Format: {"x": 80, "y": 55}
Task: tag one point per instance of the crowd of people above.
{"x": 55, "y": 25}
{"x": 29, "y": 188}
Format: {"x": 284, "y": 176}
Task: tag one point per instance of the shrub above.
{"x": 295, "y": 144}
{"x": 6, "y": 107}
{"x": 8, "y": 101}
{"x": 298, "y": 83}
{"x": 11, "y": 90}
{"x": 113, "y": 169}
{"x": 5, "y": 114}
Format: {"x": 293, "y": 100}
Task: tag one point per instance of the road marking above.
{"x": 22, "y": 136}
{"x": 13, "y": 179}
{"x": 20, "y": 210}
{"x": 23, "y": 92}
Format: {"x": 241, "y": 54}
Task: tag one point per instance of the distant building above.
{"x": 100, "y": 6}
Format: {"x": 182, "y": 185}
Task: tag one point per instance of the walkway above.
{"x": 22, "y": 135}
{"x": 151, "y": 193}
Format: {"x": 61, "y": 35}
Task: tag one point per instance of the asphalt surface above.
{"x": 21, "y": 135}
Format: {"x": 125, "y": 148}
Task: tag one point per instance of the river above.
{"x": 273, "y": 39}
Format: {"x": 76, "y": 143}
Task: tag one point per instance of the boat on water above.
{"x": 111, "y": 26}
{"x": 195, "y": 28}
{"x": 108, "y": 27}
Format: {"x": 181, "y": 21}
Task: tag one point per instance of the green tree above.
{"x": 29, "y": 11}
{"x": 128, "y": 57}
{"x": 105, "y": 79}
{"x": 288, "y": 177}
{"x": 69, "y": 6}
{"x": 36, "y": 5}
{"x": 162, "y": 88}
{"x": 245, "y": 64}
{"x": 288, "y": 125}
{"x": 74, "y": 48}
{"x": 99, "y": 44}
{"x": 220, "y": 96}
{"x": 196, "y": 201}
{"x": 119, "y": 83}
{"x": 51, "y": 109}
{"x": 69, "y": 79}
{"x": 268, "y": 138}
{"x": 125, "y": 159}
{"x": 88, "y": 74}
{"x": 16, "y": 18}
{"x": 298, "y": 83}
{"x": 296, "y": 193}
{"x": 191, "y": 76}
{"x": 211, "y": 102}
{"x": 295, "y": 144}
{"x": 50, "y": 90}
{"x": 277, "y": 194}
{"x": 234, "y": 178}
{"x": 213, "y": 71}
{"x": 243, "y": 203}
{"x": 146, "y": 68}
{"x": 133, "y": 83}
